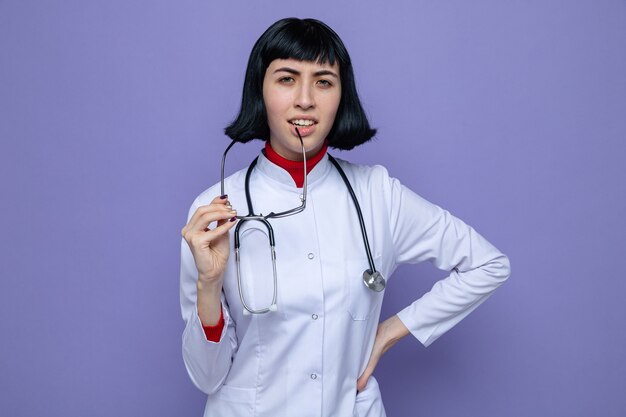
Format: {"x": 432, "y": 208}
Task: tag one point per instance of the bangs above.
{"x": 304, "y": 41}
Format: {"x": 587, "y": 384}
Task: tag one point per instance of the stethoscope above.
{"x": 372, "y": 278}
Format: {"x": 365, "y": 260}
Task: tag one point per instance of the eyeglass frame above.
{"x": 262, "y": 219}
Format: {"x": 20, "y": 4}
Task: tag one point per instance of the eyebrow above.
{"x": 316, "y": 73}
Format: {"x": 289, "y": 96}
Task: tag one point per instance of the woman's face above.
{"x": 305, "y": 94}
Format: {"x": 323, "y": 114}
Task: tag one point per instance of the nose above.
{"x": 304, "y": 98}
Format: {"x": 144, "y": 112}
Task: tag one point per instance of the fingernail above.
{"x": 232, "y": 219}
{"x": 223, "y": 197}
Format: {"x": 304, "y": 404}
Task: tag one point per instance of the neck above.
{"x": 294, "y": 168}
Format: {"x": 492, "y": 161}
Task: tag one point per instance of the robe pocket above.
{"x": 231, "y": 401}
{"x": 369, "y": 402}
{"x": 361, "y": 300}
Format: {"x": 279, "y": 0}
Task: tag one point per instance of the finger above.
{"x": 217, "y": 203}
{"x": 203, "y": 221}
{"x": 193, "y": 220}
{"x": 232, "y": 211}
{"x": 211, "y": 237}
{"x": 213, "y": 220}
{"x": 202, "y": 210}
{"x": 361, "y": 383}
{"x": 223, "y": 227}
{"x": 221, "y": 222}
{"x": 221, "y": 199}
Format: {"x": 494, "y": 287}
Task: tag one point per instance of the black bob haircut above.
{"x": 304, "y": 40}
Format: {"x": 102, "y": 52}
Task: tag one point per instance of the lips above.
{"x": 304, "y": 130}
{"x": 304, "y": 124}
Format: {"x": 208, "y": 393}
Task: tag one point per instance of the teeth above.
{"x": 302, "y": 122}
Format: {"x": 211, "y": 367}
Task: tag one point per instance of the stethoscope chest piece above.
{"x": 374, "y": 281}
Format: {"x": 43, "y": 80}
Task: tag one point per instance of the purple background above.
{"x": 512, "y": 115}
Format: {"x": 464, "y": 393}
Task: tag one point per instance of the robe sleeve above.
{"x": 207, "y": 362}
{"x": 422, "y": 231}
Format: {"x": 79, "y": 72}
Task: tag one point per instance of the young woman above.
{"x": 289, "y": 325}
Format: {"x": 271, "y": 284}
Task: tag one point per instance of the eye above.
{"x": 324, "y": 83}
{"x": 286, "y": 80}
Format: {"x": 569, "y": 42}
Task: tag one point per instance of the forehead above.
{"x": 301, "y": 66}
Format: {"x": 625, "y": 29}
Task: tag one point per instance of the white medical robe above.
{"x": 304, "y": 359}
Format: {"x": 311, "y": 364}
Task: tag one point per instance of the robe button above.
{"x": 313, "y": 376}
{"x": 314, "y": 316}
{"x": 311, "y": 256}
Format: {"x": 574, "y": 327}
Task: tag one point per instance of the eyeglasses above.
{"x": 264, "y": 220}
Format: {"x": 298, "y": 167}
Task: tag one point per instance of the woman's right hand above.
{"x": 210, "y": 247}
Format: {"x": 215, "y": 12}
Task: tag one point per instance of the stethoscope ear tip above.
{"x": 273, "y": 307}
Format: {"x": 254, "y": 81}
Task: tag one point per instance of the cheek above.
{"x": 273, "y": 107}
{"x": 332, "y": 105}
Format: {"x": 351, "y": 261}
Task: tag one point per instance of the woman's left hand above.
{"x": 387, "y": 335}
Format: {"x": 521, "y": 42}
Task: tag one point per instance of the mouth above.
{"x": 303, "y": 122}
{"x": 305, "y": 126}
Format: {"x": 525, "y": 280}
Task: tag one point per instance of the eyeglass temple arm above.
{"x": 304, "y": 188}
{"x": 273, "y": 215}
{"x": 305, "y": 171}
{"x": 223, "y": 164}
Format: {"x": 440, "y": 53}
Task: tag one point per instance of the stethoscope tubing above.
{"x": 359, "y": 213}
{"x": 371, "y": 277}
{"x": 357, "y": 206}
